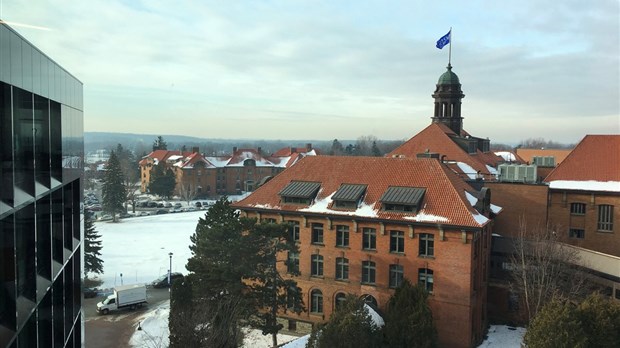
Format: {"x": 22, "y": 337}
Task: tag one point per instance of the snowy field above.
{"x": 138, "y": 247}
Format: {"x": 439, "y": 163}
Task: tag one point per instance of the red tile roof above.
{"x": 528, "y": 154}
{"x": 444, "y": 201}
{"x": 436, "y": 138}
{"x": 595, "y": 158}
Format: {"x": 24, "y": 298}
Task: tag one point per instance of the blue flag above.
{"x": 444, "y": 40}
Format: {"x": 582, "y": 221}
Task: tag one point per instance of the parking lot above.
{"x": 115, "y": 329}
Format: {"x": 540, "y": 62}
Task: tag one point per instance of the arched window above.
{"x": 316, "y": 301}
{"x": 339, "y": 299}
{"x": 370, "y": 300}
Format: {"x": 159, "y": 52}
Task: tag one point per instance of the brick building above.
{"x": 584, "y": 194}
{"x": 365, "y": 223}
{"x": 209, "y": 176}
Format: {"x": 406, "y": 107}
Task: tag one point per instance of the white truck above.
{"x": 125, "y": 296}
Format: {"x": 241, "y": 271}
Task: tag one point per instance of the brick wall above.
{"x": 458, "y": 304}
{"x": 518, "y": 201}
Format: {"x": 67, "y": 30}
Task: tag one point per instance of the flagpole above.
{"x": 450, "y": 48}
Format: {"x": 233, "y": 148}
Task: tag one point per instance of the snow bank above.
{"x": 504, "y": 336}
{"x": 154, "y": 328}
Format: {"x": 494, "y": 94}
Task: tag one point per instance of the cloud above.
{"x": 260, "y": 69}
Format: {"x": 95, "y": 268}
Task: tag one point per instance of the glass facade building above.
{"x": 41, "y": 165}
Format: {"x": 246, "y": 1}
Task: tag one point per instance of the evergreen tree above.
{"x": 375, "y": 149}
{"x": 337, "y": 149}
{"x": 557, "y": 324}
{"x": 408, "y": 319}
{"x": 160, "y": 144}
{"x": 162, "y": 181}
{"x": 595, "y": 322}
{"x": 113, "y": 190}
{"x": 131, "y": 174}
{"x": 182, "y": 321}
{"x": 271, "y": 292}
{"x": 350, "y": 326}
{"x": 92, "y": 247}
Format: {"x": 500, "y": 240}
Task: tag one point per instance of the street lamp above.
{"x": 170, "y": 269}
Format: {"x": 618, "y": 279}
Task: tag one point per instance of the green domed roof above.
{"x": 448, "y": 78}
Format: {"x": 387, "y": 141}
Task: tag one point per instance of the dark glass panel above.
{"x": 42, "y": 141}
{"x": 68, "y": 298}
{"x": 67, "y": 191}
{"x": 28, "y": 335}
{"x": 45, "y": 320}
{"x": 56, "y": 141}
{"x": 58, "y": 312}
{"x": 7, "y": 278}
{"x": 77, "y": 225}
{"x": 44, "y": 237}
{"x": 25, "y": 252}
{"x": 77, "y": 268}
{"x": 6, "y": 148}
{"x": 23, "y": 144}
{"x": 57, "y": 253}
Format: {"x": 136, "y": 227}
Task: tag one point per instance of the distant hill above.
{"x": 143, "y": 143}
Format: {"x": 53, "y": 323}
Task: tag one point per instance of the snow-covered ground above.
{"x": 139, "y": 247}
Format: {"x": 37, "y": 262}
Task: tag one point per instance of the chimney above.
{"x": 195, "y": 149}
{"x": 234, "y": 149}
{"x": 309, "y": 146}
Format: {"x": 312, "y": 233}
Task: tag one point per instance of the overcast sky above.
{"x": 333, "y": 69}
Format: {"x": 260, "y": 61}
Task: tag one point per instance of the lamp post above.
{"x": 170, "y": 269}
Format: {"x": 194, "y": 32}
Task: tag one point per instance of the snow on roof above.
{"x": 608, "y": 186}
{"x": 492, "y": 170}
{"x": 496, "y": 208}
{"x": 423, "y": 217}
{"x": 467, "y": 170}
{"x": 174, "y": 157}
{"x": 218, "y": 161}
{"x": 322, "y": 206}
{"x": 506, "y": 155}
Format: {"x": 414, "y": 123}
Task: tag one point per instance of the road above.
{"x": 115, "y": 329}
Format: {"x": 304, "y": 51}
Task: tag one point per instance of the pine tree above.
{"x": 408, "y": 319}
{"x": 337, "y": 149}
{"x": 113, "y": 190}
{"x": 92, "y": 247}
{"x": 375, "y": 149}
{"x": 162, "y": 181}
{"x": 160, "y": 144}
{"x": 350, "y": 326}
{"x": 272, "y": 293}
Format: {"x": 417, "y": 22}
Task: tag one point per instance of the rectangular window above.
{"x": 427, "y": 244}
{"x": 576, "y": 233}
{"x": 293, "y": 263}
{"x": 342, "y": 268}
{"x": 317, "y": 233}
{"x": 316, "y": 267}
{"x": 606, "y": 218}
{"x": 578, "y": 208}
{"x": 269, "y": 220}
{"x": 396, "y": 275}
{"x": 369, "y": 238}
{"x": 425, "y": 279}
{"x": 397, "y": 241}
{"x": 368, "y": 272}
{"x": 342, "y": 236}
{"x": 294, "y": 230}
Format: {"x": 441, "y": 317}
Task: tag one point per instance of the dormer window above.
{"x": 249, "y": 163}
{"x": 402, "y": 199}
{"x": 300, "y": 192}
{"x": 349, "y": 196}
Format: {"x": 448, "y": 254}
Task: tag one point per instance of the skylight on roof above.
{"x": 406, "y": 196}
{"x": 300, "y": 189}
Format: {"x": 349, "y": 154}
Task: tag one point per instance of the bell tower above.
{"x": 448, "y": 97}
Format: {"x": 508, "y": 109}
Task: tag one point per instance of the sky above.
{"x": 333, "y": 69}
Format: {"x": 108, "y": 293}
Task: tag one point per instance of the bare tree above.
{"x": 544, "y": 268}
{"x": 188, "y": 192}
